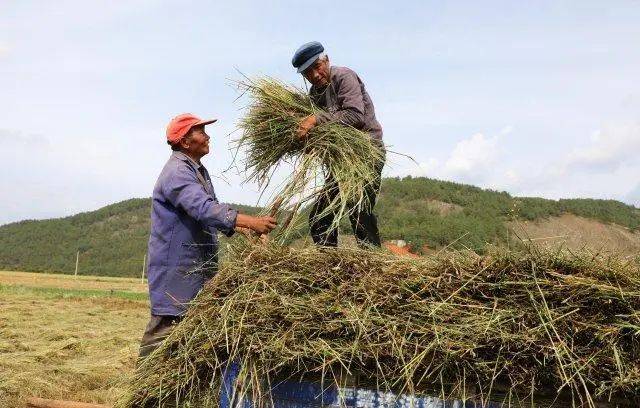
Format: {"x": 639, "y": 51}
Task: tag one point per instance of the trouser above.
{"x": 363, "y": 222}
{"x": 158, "y": 328}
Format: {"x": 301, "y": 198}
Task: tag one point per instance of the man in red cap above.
{"x": 185, "y": 219}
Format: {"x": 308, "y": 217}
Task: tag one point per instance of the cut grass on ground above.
{"x": 71, "y": 282}
{"x": 60, "y": 293}
{"x": 67, "y": 338}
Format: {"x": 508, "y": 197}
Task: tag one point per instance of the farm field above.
{"x": 66, "y": 337}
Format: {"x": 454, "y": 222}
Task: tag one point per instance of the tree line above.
{"x": 113, "y": 240}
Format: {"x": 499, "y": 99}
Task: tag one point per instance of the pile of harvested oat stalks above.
{"x": 269, "y": 141}
{"x": 513, "y": 324}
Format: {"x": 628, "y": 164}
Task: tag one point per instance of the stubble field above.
{"x": 65, "y": 337}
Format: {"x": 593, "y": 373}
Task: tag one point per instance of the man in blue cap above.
{"x": 340, "y": 93}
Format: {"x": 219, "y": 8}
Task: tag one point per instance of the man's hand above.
{"x": 244, "y": 231}
{"x": 261, "y": 225}
{"x": 306, "y": 125}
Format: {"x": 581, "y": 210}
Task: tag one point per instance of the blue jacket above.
{"x": 183, "y": 246}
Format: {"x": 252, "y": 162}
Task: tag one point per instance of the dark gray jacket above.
{"x": 346, "y": 101}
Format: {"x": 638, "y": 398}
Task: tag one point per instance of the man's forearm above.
{"x": 244, "y": 221}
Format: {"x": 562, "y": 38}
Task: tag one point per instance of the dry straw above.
{"x": 269, "y": 140}
{"x": 505, "y": 325}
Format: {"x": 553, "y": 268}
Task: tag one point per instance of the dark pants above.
{"x": 364, "y": 222}
{"x": 158, "y": 328}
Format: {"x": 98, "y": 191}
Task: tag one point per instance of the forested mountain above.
{"x": 422, "y": 211}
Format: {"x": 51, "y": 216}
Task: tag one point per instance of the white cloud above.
{"x": 608, "y": 149}
{"x": 20, "y": 139}
{"x": 508, "y": 179}
{"x": 506, "y": 130}
{"x": 4, "y": 50}
{"x": 605, "y": 167}
{"x": 633, "y": 196}
{"x": 472, "y": 157}
{"x": 472, "y": 160}
{"x": 425, "y": 168}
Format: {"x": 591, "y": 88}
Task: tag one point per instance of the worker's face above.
{"x": 318, "y": 73}
{"x": 196, "y": 143}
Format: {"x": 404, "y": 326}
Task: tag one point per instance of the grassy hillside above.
{"x": 405, "y": 212}
{"x": 113, "y": 239}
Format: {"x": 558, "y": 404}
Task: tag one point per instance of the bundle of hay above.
{"x": 517, "y": 323}
{"x": 269, "y": 139}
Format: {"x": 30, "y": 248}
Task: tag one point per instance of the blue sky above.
{"x": 540, "y": 99}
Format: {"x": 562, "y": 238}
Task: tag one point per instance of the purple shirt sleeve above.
{"x": 185, "y": 191}
{"x": 350, "y": 99}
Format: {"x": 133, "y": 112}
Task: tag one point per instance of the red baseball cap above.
{"x": 181, "y": 124}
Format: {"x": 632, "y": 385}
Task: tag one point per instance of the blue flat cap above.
{"x": 306, "y": 55}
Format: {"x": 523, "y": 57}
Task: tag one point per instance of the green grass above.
{"x": 60, "y": 293}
